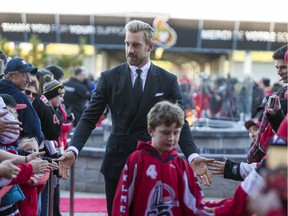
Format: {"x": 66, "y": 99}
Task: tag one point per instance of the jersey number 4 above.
{"x": 151, "y": 171}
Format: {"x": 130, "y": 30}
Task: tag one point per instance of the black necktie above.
{"x": 138, "y": 87}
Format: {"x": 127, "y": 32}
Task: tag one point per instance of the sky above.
{"x": 244, "y": 10}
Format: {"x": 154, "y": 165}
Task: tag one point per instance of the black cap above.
{"x": 11, "y": 102}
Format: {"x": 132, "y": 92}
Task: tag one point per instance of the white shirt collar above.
{"x": 145, "y": 69}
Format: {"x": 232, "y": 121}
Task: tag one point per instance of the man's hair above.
{"x": 280, "y": 53}
{"x": 81, "y": 69}
{"x": 135, "y": 26}
{"x": 166, "y": 113}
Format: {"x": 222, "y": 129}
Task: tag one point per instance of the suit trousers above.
{"x": 110, "y": 190}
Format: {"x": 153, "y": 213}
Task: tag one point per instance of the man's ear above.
{"x": 150, "y": 47}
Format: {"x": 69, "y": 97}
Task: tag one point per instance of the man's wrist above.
{"x": 74, "y": 151}
{"x": 192, "y": 157}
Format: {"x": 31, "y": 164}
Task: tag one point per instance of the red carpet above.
{"x": 84, "y": 204}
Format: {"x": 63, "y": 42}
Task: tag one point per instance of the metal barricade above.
{"x": 72, "y": 188}
{"x": 50, "y": 194}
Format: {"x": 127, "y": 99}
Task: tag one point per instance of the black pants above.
{"x": 110, "y": 189}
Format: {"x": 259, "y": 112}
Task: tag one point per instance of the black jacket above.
{"x": 129, "y": 123}
{"x": 76, "y": 95}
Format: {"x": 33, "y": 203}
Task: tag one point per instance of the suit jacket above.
{"x": 129, "y": 123}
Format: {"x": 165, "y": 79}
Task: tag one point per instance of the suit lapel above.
{"x": 124, "y": 90}
{"x": 124, "y": 80}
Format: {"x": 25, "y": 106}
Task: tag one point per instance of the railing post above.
{"x": 72, "y": 187}
{"x": 50, "y": 194}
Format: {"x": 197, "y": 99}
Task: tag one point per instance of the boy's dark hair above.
{"x": 280, "y": 53}
{"x": 56, "y": 70}
{"x": 166, "y": 113}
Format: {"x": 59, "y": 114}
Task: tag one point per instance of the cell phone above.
{"x": 71, "y": 117}
{"x": 271, "y": 102}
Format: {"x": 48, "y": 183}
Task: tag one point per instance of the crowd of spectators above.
{"x": 34, "y": 126}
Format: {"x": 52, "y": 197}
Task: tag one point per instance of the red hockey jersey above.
{"x": 154, "y": 184}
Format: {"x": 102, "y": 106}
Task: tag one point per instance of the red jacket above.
{"x": 26, "y": 171}
{"x": 29, "y": 206}
{"x": 65, "y": 129}
{"x": 154, "y": 184}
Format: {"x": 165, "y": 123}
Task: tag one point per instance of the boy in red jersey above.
{"x": 155, "y": 179}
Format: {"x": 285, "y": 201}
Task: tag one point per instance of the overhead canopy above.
{"x": 198, "y": 36}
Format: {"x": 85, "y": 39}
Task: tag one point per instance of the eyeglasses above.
{"x": 27, "y": 92}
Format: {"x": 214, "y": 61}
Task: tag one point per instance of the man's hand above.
{"x": 199, "y": 165}
{"x": 276, "y": 105}
{"x": 65, "y": 162}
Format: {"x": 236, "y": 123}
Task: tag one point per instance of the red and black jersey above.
{"x": 154, "y": 184}
{"x": 51, "y": 120}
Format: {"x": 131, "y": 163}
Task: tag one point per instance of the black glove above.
{"x": 232, "y": 170}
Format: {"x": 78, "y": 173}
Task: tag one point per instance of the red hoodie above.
{"x": 154, "y": 184}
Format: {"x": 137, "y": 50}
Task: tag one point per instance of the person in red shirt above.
{"x": 155, "y": 179}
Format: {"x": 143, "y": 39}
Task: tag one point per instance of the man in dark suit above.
{"x": 116, "y": 88}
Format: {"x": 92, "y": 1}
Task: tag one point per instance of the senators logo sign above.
{"x": 165, "y": 36}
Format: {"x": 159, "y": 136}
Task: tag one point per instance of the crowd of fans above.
{"x": 225, "y": 98}
{"x": 34, "y": 125}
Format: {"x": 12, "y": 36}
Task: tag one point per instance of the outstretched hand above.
{"x": 199, "y": 165}
{"x": 65, "y": 162}
{"x": 8, "y": 169}
{"x": 217, "y": 167}
{"x": 9, "y": 126}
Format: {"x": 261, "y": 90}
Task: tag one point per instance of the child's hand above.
{"x": 39, "y": 176}
{"x": 217, "y": 167}
{"x": 33, "y": 180}
{"x": 35, "y": 155}
{"x": 39, "y": 165}
{"x": 53, "y": 165}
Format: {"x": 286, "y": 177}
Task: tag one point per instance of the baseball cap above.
{"x": 19, "y": 64}
{"x": 251, "y": 122}
{"x": 10, "y": 101}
